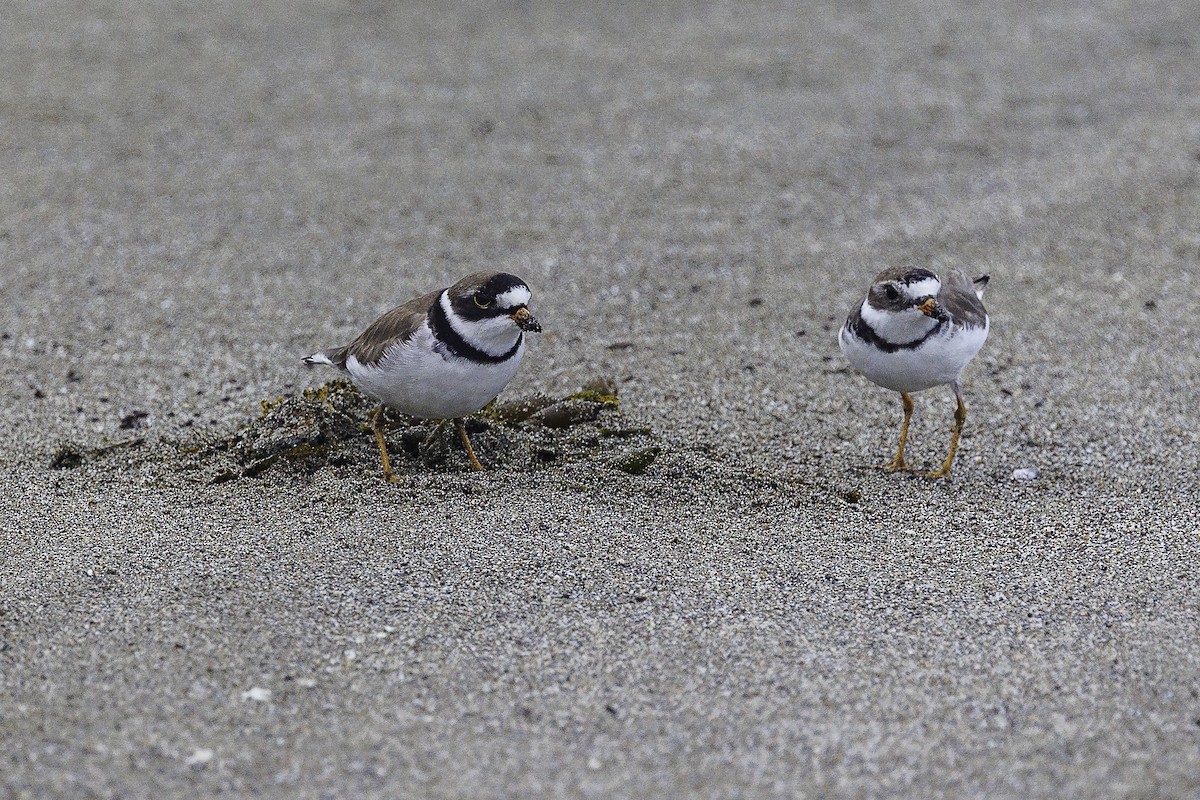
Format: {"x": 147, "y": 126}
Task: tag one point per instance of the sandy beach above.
{"x": 702, "y": 592}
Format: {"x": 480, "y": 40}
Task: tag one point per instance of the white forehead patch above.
{"x": 925, "y": 287}
{"x": 516, "y": 296}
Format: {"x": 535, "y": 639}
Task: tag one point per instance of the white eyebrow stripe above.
{"x": 516, "y": 296}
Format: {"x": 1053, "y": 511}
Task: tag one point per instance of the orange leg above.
{"x": 898, "y": 464}
{"x": 379, "y": 440}
{"x": 960, "y": 418}
{"x": 461, "y": 427}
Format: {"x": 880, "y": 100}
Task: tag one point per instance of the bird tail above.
{"x": 980, "y": 284}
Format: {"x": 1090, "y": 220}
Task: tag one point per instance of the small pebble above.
{"x": 257, "y": 694}
{"x": 202, "y": 755}
{"x": 1026, "y": 474}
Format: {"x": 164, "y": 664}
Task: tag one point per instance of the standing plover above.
{"x": 914, "y": 331}
{"x": 442, "y": 355}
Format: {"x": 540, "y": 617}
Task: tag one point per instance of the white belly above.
{"x": 413, "y": 379}
{"x": 938, "y": 361}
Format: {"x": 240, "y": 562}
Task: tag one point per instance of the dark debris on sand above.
{"x": 330, "y": 426}
{"x": 70, "y": 455}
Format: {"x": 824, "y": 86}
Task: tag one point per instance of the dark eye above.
{"x": 890, "y": 291}
{"x": 480, "y": 301}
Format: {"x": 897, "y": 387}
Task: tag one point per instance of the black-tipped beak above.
{"x": 930, "y": 308}
{"x": 525, "y": 320}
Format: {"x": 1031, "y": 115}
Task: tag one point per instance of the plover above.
{"x": 914, "y": 331}
{"x": 442, "y": 355}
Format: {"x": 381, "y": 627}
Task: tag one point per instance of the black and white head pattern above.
{"x": 897, "y": 290}
{"x": 484, "y": 316}
{"x": 893, "y": 308}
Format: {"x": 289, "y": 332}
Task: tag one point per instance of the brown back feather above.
{"x": 397, "y": 325}
{"x": 958, "y": 297}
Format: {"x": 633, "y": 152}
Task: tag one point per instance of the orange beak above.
{"x": 929, "y": 307}
{"x": 525, "y": 320}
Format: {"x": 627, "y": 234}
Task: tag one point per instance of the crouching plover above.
{"x": 914, "y": 331}
{"x": 442, "y": 355}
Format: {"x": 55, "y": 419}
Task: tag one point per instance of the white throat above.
{"x": 897, "y": 327}
{"x": 494, "y": 336}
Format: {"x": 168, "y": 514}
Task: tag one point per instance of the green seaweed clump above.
{"x": 602, "y": 390}
{"x": 303, "y": 430}
{"x": 638, "y": 461}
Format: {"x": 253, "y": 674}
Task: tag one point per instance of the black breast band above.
{"x": 459, "y": 346}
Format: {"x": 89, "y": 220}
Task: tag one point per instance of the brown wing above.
{"x": 397, "y": 325}
{"x": 958, "y": 297}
